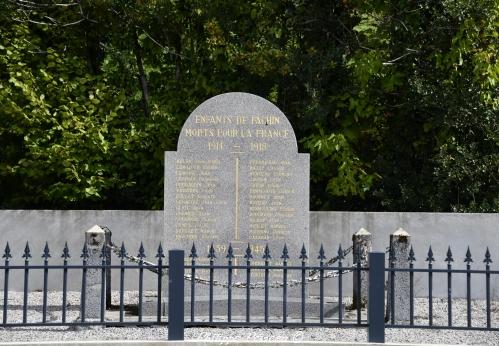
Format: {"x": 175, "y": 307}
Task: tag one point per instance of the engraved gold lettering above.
{"x": 269, "y": 213}
{"x": 213, "y": 120}
{"x": 215, "y": 146}
{"x": 227, "y": 132}
{"x": 271, "y": 133}
{"x": 241, "y": 120}
{"x": 266, "y": 120}
{"x": 199, "y": 132}
{"x": 254, "y": 146}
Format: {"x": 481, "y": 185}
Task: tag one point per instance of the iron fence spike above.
{"x": 46, "y": 251}
{"x": 84, "y": 252}
{"x": 303, "y": 253}
{"x": 468, "y": 258}
{"x": 122, "y": 253}
{"x": 266, "y": 253}
{"x": 230, "y": 252}
{"x": 430, "y": 257}
{"x": 341, "y": 255}
{"x": 65, "y": 252}
{"x": 285, "y": 255}
{"x": 322, "y": 254}
{"x": 141, "y": 253}
{"x": 412, "y": 256}
{"x": 211, "y": 253}
{"x": 487, "y": 259}
{"x": 449, "y": 258}
{"x": 27, "y": 252}
{"x": 160, "y": 253}
{"x": 7, "y": 253}
{"x": 193, "y": 253}
{"x": 248, "y": 254}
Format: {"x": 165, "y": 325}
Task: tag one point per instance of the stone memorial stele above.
{"x": 237, "y": 178}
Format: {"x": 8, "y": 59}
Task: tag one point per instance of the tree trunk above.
{"x": 141, "y": 75}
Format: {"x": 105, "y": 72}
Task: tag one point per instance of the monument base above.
{"x": 257, "y": 308}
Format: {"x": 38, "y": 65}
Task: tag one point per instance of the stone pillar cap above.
{"x": 363, "y": 231}
{"x": 401, "y": 232}
{"x": 95, "y": 229}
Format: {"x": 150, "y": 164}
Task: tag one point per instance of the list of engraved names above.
{"x": 196, "y": 183}
{"x": 269, "y": 192}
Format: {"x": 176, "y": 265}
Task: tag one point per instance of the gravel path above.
{"x": 261, "y": 334}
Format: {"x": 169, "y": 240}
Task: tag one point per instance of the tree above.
{"x": 397, "y": 101}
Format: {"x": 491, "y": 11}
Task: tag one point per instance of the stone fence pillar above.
{"x": 95, "y": 239}
{"x": 400, "y": 243}
{"x": 362, "y": 245}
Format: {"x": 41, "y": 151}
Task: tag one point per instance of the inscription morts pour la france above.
{"x": 237, "y": 177}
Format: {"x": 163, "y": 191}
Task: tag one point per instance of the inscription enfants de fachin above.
{"x": 237, "y": 177}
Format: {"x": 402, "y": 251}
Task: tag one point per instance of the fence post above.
{"x": 94, "y": 240}
{"x": 362, "y": 243}
{"x": 176, "y": 295}
{"x": 376, "y": 302}
{"x": 398, "y": 301}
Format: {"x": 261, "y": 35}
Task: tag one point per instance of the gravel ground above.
{"x": 261, "y": 334}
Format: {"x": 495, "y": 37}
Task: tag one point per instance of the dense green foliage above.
{"x": 397, "y": 101}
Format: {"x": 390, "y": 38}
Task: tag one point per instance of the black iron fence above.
{"x": 449, "y": 272}
{"x": 297, "y": 275}
{"x": 97, "y": 271}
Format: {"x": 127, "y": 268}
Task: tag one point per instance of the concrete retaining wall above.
{"x": 440, "y": 230}
{"x": 197, "y": 343}
{"x": 330, "y": 228}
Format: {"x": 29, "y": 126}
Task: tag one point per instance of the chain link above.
{"x": 313, "y": 276}
{"x": 153, "y": 267}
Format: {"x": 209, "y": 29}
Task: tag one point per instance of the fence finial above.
{"x": 65, "y": 252}
{"x": 46, "y": 252}
{"x": 160, "y": 253}
{"x": 7, "y": 254}
{"x": 27, "y": 252}
{"x": 322, "y": 255}
{"x": 122, "y": 253}
{"x": 141, "y": 253}
{"x": 266, "y": 253}
{"x": 341, "y": 255}
{"x": 84, "y": 252}
{"x": 449, "y": 258}
{"x": 430, "y": 257}
{"x": 230, "y": 253}
{"x": 487, "y": 259}
{"x": 412, "y": 256}
{"x": 303, "y": 253}
{"x": 211, "y": 253}
{"x": 284, "y": 255}
{"x": 468, "y": 258}
{"x": 194, "y": 253}
{"x": 248, "y": 254}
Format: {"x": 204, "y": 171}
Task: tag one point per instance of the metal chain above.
{"x": 313, "y": 276}
{"x": 332, "y": 260}
{"x": 272, "y": 284}
{"x": 153, "y": 267}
